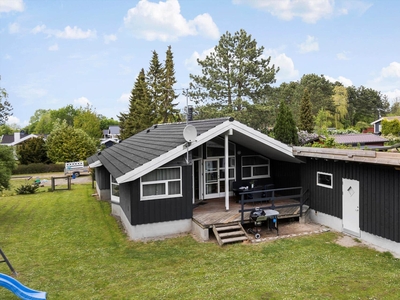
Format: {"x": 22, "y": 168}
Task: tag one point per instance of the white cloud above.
{"x": 342, "y": 56}
{"x": 69, "y": 32}
{"x": 12, "y": 120}
{"x": 310, "y": 11}
{"x": 11, "y": 5}
{"x": 163, "y": 21}
{"x": 53, "y": 47}
{"x": 75, "y": 33}
{"x": 82, "y": 101}
{"x": 388, "y": 81}
{"x": 38, "y": 28}
{"x": 343, "y": 80}
{"x": 287, "y": 71}
{"x": 109, "y": 38}
{"x": 31, "y": 92}
{"x": 191, "y": 63}
{"x": 13, "y": 28}
{"x": 124, "y": 98}
{"x": 310, "y": 45}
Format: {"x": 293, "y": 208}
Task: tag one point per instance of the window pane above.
{"x": 162, "y": 174}
{"x": 115, "y": 190}
{"x": 154, "y": 189}
{"x": 174, "y": 188}
{"x": 254, "y": 160}
{"x": 246, "y": 172}
{"x": 325, "y": 179}
{"x": 257, "y": 171}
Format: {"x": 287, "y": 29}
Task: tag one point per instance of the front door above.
{"x": 351, "y": 199}
{"x": 211, "y": 178}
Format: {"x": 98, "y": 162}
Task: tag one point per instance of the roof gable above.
{"x": 159, "y": 144}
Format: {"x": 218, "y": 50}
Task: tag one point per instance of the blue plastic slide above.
{"x": 19, "y": 289}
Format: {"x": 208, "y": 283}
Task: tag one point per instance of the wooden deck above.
{"x": 212, "y": 212}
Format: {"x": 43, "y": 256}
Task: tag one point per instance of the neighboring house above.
{"x": 361, "y": 139}
{"x": 154, "y": 177}
{"x": 378, "y": 123}
{"x": 354, "y": 191}
{"x": 110, "y": 136}
{"x": 16, "y": 138}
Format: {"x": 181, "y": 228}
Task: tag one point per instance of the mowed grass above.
{"x": 67, "y": 244}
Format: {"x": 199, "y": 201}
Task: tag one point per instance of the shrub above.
{"x": 38, "y": 168}
{"x": 27, "y": 189}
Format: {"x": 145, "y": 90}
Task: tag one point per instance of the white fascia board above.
{"x": 372, "y": 123}
{"x": 95, "y": 164}
{"x": 265, "y": 139}
{"x": 174, "y": 153}
{"x": 24, "y": 139}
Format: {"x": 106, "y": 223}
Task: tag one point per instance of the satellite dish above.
{"x": 190, "y": 133}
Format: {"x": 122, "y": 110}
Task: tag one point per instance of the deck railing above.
{"x": 270, "y": 196}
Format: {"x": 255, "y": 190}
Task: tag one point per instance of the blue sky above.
{"x": 59, "y": 52}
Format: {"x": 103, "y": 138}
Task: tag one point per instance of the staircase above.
{"x": 229, "y": 233}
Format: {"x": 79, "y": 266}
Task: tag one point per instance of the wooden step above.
{"x": 229, "y": 233}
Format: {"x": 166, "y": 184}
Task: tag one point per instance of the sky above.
{"x": 59, "y": 52}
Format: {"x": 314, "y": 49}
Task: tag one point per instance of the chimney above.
{"x": 17, "y": 137}
{"x": 190, "y": 113}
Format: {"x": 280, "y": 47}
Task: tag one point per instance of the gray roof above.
{"x": 159, "y": 144}
{"x": 361, "y": 138}
{"x": 147, "y": 145}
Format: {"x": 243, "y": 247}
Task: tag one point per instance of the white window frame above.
{"x": 114, "y": 198}
{"x": 255, "y": 166}
{"x": 165, "y": 182}
{"x": 322, "y": 184}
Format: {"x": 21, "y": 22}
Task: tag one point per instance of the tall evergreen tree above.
{"x": 233, "y": 73}
{"x": 155, "y": 82}
{"x": 141, "y": 113}
{"x": 285, "y": 128}
{"x": 306, "y": 117}
{"x": 167, "y": 112}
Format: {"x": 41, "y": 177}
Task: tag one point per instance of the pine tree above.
{"x": 285, "y": 128}
{"x": 141, "y": 113}
{"x": 306, "y": 117}
{"x": 155, "y": 78}
{"x": 167, "y": 112}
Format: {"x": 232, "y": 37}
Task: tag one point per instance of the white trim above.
{"x": 201, "y": 139}
{"x": 165, "y": 182}
{"x": 95, "y": 164}
{"x": 325, "y": 185}
{"x": 114, "y": 199}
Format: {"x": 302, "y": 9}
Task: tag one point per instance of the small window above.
{"x": 255, "y": 166}
{"x": 161, "y": 183}
{"x": 325, "y": 180}
{"x": 114, "y": 190}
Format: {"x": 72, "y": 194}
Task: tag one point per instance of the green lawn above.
{"x": 67, "y": 244}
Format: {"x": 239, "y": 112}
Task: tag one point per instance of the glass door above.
{"x": 211, "y": 178}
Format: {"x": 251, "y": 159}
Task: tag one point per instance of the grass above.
{"x": 67, "y": 244}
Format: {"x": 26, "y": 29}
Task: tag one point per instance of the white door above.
{"x": 351, "y": 199}
{"x": 211, "y": 178}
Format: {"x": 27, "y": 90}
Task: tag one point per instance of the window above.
{"x": 325, "y": 180}
{"x": 114, "y": 190}
{"x": 162, "y": 183}
{"x": 255, "y": 166}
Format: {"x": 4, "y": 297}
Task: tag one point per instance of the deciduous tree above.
{"x": 5, "y": 106}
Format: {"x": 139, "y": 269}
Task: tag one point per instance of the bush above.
{"x": 27, "y": 189}
{"x": 38, "y": 168}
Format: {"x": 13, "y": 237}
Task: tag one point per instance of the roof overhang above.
{"x": 362, "y": 156}
{"x": 242, "y": 134}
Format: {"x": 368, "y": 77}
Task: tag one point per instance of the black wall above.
{"x": 160, "y": 210}
{"x": 102, "y": 177}
{"x": 379, "y": 193}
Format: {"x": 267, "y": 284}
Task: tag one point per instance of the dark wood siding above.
{"x": 102, "y": 178}
{"x": 379, "y": 193}
{"x": 162, "y": 210}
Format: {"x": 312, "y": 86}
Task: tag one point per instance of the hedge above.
{"x": 38, "y": 168}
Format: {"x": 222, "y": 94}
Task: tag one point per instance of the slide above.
{"x": 19, "y": 289}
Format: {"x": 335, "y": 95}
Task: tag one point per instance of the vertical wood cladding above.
{"x": 379, "y": 193}
{"x": 160, "y": 210}
{"x": 102, "y": 178}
